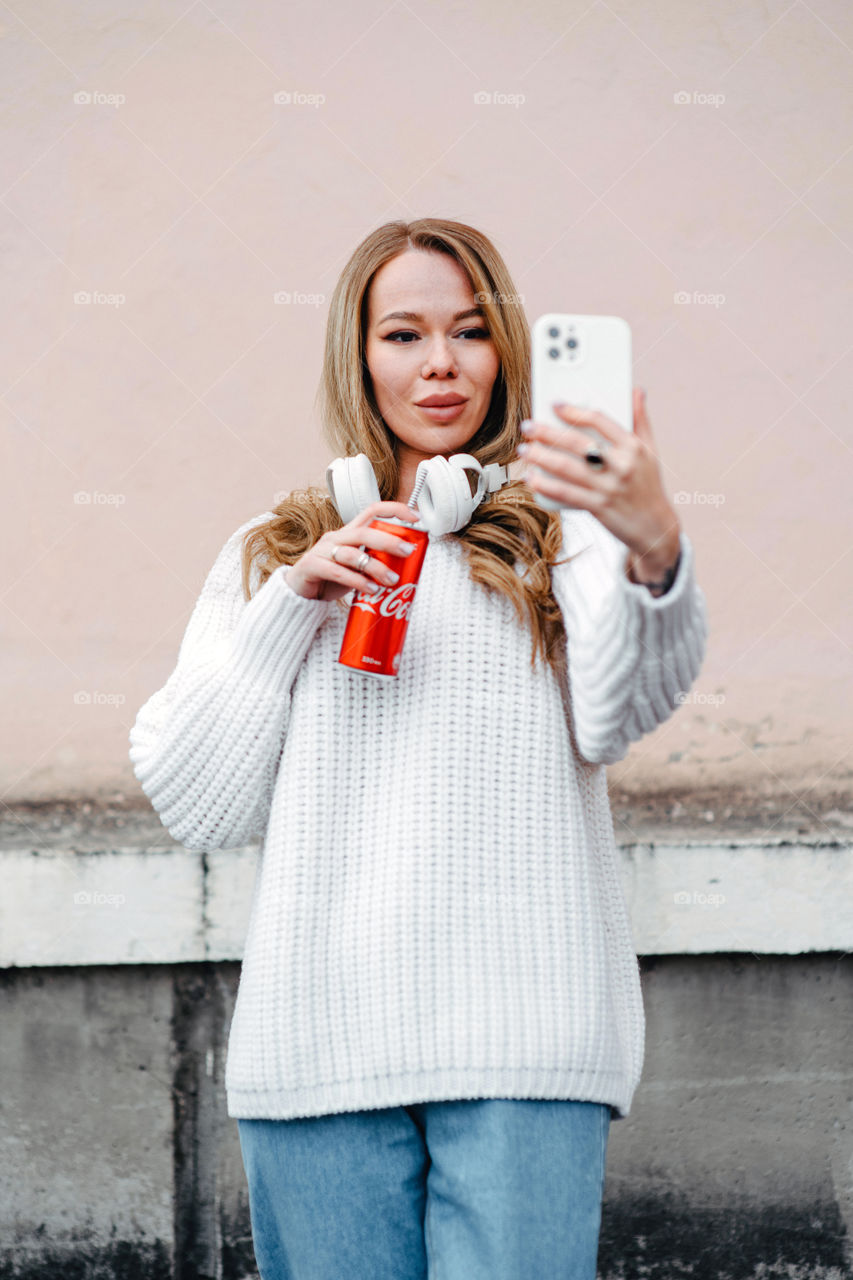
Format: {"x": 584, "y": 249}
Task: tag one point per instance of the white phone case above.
{"x": 585, "y": 361}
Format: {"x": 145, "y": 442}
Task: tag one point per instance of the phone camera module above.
{"x": 553, "y": 332}
{"x": 554, "y": 353}
{"x": 572, "y": 343}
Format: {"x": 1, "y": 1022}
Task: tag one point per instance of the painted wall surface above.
{"x": 172, "y": 172}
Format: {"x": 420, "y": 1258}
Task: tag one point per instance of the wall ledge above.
{"x": 142, "y": 899}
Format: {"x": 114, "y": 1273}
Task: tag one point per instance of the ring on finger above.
{"x": 596, "y": 457}
{"x": 361, "y": 563}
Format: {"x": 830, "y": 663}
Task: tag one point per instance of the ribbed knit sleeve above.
{"x": 629, "y": 653}
{"x": 206, "y": 747}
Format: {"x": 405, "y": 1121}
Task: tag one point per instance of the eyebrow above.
{"x": 413, "y": 315}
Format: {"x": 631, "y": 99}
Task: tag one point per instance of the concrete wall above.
{"x": 120, "y": 955}
{"x": 118, "y": 1158}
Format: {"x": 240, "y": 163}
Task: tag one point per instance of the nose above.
{"x": 439, "y": 360}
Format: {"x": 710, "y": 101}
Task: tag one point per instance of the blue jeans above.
{"x": 476, "y": 1189}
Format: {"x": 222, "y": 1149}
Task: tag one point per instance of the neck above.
{"x": 408, "y": 460}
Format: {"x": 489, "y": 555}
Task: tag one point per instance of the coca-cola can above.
{"x": 377, "y": 622}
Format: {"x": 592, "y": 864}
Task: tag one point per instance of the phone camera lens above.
{"x": 572, "y": 343}
{"x": 554, "y": 353}
{"x": 553, "y": 333}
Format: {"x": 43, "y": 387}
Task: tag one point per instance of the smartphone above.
{"x": 585, "y": 361}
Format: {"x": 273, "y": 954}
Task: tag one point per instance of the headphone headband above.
{"x": 447, "y": 501}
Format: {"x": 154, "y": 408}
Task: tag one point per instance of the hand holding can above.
{"x": 339, "y": 561}
{"x": 378, "y": 620}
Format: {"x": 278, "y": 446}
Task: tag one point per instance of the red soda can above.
{"x": 377, "y": 623}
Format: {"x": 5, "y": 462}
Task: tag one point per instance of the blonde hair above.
{"x": 509, "y": 526}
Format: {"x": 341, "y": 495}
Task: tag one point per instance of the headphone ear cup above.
{"x": 352, "y": 485}
{"x": 446, "y": 501}
{"x": 435, "y": 501}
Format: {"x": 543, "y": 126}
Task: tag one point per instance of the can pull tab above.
{"x": 407, "y": 524}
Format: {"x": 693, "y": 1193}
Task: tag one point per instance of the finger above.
{"x": 642, "y": 425}
{"x": 358, "y": 581}
{"x": 380, "y": 539}
{"x": 569, "y": 440}
{"x": 563, "y": 465}
{"x": 573, "y": 495}
{"x": 371, "y": 569}
{"x": 575, "y": 415}
{"x": 340, "y": 571}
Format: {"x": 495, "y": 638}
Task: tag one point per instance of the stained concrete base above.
{"x": 117, "y": 1157}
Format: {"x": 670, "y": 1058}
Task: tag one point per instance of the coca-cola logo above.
{"x": 390, "y": 602}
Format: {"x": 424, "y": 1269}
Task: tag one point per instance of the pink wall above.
{"x": 182, "y": 410}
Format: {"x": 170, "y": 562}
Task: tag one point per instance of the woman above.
{"x": 439, "y": 1007}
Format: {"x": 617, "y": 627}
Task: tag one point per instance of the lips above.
{"x": 440, "y": 402}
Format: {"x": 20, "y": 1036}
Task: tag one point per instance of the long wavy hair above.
{"x": 509, "y": 526}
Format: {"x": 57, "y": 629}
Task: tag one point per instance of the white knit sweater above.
{"x": 437, "y": 910}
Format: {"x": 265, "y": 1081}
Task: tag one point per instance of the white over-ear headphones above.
{"x": 442, "y": 491}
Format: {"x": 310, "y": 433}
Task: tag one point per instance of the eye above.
{"x": 407, "y": 334}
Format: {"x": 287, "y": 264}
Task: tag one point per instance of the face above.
{"x": 427, "y": 339}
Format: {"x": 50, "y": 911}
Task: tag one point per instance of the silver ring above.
{"x": 362, "y": 562}
{"x": 334, "y": 551}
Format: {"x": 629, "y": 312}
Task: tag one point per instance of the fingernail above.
{"x": 527, "y": 427}
{"x": 523, "y": 449}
